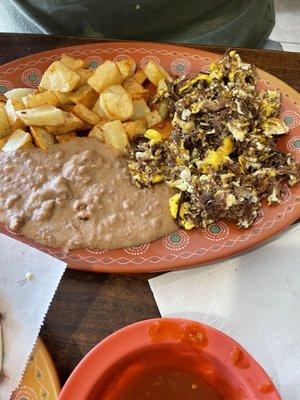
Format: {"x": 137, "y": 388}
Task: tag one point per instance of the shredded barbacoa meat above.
{"x": 222, "y": 154}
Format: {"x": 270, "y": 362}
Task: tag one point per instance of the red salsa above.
{"x": 266, "y": 387}
{"x": 169, "y": 371}
{"x": 164, "y": 372}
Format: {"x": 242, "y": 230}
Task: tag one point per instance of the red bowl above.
{"x": 240, "y": 371}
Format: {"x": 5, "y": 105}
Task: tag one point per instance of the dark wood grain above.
{"x": 87, "y": 307}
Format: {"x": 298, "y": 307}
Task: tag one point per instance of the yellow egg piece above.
{"x": 227, "y": 147}
{"x": 174, "y": 204}
{"x": 188, "y": 225}
{"x": 201, "y": 77}
{"x": 216, "y": 70}
{"x": 215, "y": 158}
{"x": 153, "y": 135}
{"x": 183, "y": 209}
{"x": 157, "y": 178}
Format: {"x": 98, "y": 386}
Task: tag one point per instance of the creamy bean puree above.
{"x": 78, "y": 195}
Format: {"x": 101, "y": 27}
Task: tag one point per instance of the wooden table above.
{"x": 87, "y": 306}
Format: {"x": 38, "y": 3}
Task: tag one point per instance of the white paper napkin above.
{"x": 254, "y": 298}
{"x": 24, "y": 302}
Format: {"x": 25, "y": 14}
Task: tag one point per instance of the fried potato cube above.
{"x": 3, "y": 98}
{"x": 97, "y": 132}
{"x": 18, "y": 93}
{"x": 115, "y": 135}
{"x": 98, "y": 110}
{"x": 59, "y": 77}
{"x": 153, "y": 135}
{"x": 127, "y": 67}
{"x": 41, "y": 116}
{"x": 134, "y": 128}
{"x": 153, "y": 118}
{"x": 11, "y": 107}
{"x": 118, "y": 89}
{"x": 18, "y": 140}
{"x": 72, "y": 62}
{"x": 162, "y": 87}
{"x": 140, "y": 76}
{"x": 72, "y": 123}
{"x": 105, "y": 75}
{"x": 155, "y": 72}
{"x": 5, "y": 126}
{"x": 41, "y": 137}
{"x": 116, "y": 106}
{"x": 135, "y": 89}
{"x": 84, "y": 74}
{"x": 86, "y": 115}
{"x": 44, "y": 99}
{"x": 140, "y": 109}
{"x": 85, "y": 95}
{"x": 67, "y": 107}
{"x": 65, "y": 137}
{"x": 40, "y": 90}
{"x": 3, "y": 141}
{"x": 64, "y": 98}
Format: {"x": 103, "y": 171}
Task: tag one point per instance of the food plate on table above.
{"x": 40, "y": 380}
{"x": 184, "y": 247}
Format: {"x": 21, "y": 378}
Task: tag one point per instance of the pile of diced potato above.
{"x": 109, "y": 102}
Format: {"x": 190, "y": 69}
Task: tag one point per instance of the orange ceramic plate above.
{"x": 181, "y": 249}
{"x": 224, "y": 357}
{"x": 40, "y": 380}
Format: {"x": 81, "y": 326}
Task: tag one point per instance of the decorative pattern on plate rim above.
{"x": 181, "y": 67}
{"x": 121, "y": 57}
{"x": 90, "y": 53}
{"x": 176, "y": 241}
{"x": 5, "y": 86}
{"x": 32, "y": 77}
{"x": 96, "y": 251}
{"x": 260, "y": 219}
{"x": 38, "y": 375}
{"x": 290, "y": 118}
{"x": 24, "y": 393}
{"x": 205, "y": 68}
{"x": 137, "y": 250}
{"x": 216, "y": 231}
{"x": 287, "y": 195}
{"x": 14, "y": 233}
{"x": 294, "y": 144}
{"x": 94, "y": 61}
{"x": 146, "y": 59}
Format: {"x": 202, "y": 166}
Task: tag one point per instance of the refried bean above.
{"x": 79, "y": 195}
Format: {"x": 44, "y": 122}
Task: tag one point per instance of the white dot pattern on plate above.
{"x": 180, "y": 67}
{"x": 290, "y": 118}
{"x": 146, "y": 59}
{"x": 137, "y": 250}
{"x": 216, "y": 231}
{"x": 5, "y": 86}
{"x": 32, "y": 77}
{"x": 176, "y": 241}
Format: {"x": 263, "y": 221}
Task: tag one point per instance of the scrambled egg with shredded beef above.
{"x": 222, "y": 155}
